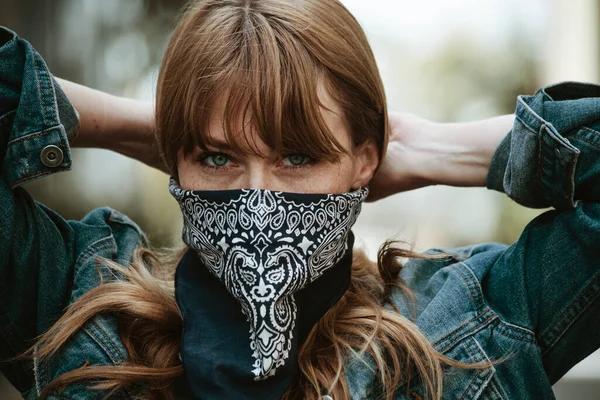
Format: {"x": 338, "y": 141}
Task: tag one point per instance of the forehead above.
{"x": 240, "y": 131}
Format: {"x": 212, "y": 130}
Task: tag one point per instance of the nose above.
{"x": 258, "y": 176}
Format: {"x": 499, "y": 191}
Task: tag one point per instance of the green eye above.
{"x": 296, "y": 160}
{"x": 217, "y": 160}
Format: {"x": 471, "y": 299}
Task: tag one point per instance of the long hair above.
{"x": 265, "y": 62}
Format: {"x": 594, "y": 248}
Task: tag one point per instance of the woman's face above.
{"x": 221, "y": 168}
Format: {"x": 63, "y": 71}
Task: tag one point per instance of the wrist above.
{"x": 459, "y": 154}
{"x": 126, "y": 120}
{"x": 129, "y": 130}
{"x": 423, "y": 153}
{"x": 105, "y": 120}
{"x": 113, "y": 123}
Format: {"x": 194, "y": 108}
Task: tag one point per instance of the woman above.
{"x": 271, "y": 118}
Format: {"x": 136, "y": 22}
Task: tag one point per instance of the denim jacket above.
{"x": 533, "y": 304}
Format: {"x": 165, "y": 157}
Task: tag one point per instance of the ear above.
{"x": 367, "y": 160}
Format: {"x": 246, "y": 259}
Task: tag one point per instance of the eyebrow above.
{"x": 222, "y": 145}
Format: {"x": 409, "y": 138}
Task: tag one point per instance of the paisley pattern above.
{"x": 264, "y": 246}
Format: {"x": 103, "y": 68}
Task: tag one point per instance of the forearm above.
{"x": 113, "y": 123}
{"x": 459, "y": 154}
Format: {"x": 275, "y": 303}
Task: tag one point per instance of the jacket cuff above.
{"x": 38, "y": 118}
{"x": 535, "y": 164}
{"x": 67, "y": 114}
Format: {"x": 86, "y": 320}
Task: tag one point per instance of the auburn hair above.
{"x": 265, "y": 63}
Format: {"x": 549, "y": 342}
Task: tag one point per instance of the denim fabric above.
{"x": 534, "y": 302}
{"x": 46, "y": 262}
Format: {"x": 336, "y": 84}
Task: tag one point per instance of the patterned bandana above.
{"x": 265, "y": 267}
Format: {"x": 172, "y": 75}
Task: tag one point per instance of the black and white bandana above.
{"x": 263, "y": 251}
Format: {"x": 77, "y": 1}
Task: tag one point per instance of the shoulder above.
{"x": 104, "y": 233}
{"x": 465, "y": 252}
{"x": 451, "y": 310}
{"x": 447, "y": 289}
{"x": 121, "y": 227}
{"x": 419, "y": 272}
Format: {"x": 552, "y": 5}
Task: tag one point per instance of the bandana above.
{"x": 262, "y": 269}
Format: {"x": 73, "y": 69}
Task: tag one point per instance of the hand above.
{"x": 422, "y": 153}
{"x": 402, "y": 168}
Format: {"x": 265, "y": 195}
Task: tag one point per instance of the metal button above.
{"x": 557, "y": 152}
{"x": 52, "y": 156}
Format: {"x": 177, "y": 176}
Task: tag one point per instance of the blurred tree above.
{"x": 110, "y": 45}
{"x": 467, "y": 81}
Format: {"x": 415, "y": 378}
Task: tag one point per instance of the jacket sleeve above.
{"x": 36, "y": 244}
{"x": 549, "y": 280}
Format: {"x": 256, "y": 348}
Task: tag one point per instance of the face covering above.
{"x": 262, "y": 269}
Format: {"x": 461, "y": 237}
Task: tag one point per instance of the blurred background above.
{"x": 447, "y": 61}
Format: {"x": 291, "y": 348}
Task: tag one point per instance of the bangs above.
{"x": 260, "y": 82}
{"x": 269, "y": 72}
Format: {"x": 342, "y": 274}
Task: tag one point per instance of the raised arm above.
{"x": 46, "y": 262}
{"x": 547, "y": 155}
{"x": 423, "y": 153}
{"x": 36, "y": 245}
{"x": 549, "y": 280}
{"x": 113, "y": 123}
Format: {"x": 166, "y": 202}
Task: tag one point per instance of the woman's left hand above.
{"x": 402, "y": 168}
{"x": 422, "y": 153}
